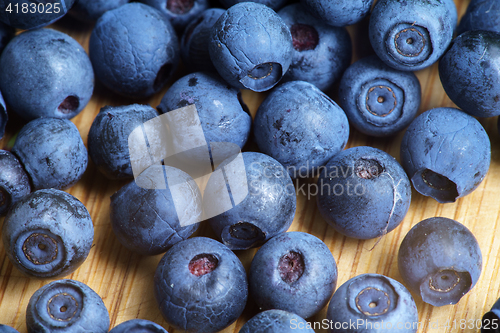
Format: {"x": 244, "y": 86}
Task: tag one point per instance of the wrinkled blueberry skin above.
{"x": 125, "y": 61}
{"x": 338, "y": 13}
{"x": 446, "y": 154}
{"x": 491, "y": 318}
{"x": 440, "y": 260}
{"x": 45, "y": 73}
{"x": 139, "y": 326}
{"x": 301, "y": 127}
{"x": 91, "y": 10}
{"x": 270, "y": 188}
{"x": 470, "y": 74}
{"x": 224, "y": 121}
{"x": 14, "y": 182}
{"x": 179, "y": 12}
{"x": 4, "y": 117}
{"x": 318, "y": 61}
{"x": 305, "y": 295}
{"x": 7, "y": 329}
{"x": 377, "y": 99}
{"x": 207, "y": 303}
{"x": 146, "y": 220}
{"x": 481, "y": 15}
{"x": 109, "y": 134}
{"x": 6, "y": 34}
{"x": 43, "y": 314}
{"x": 233, "y": 46}
{"x": 33, "y": 19}
{"x": 276, "y": 321}
{"x": 195, "y": 40}
{"x": 52, "y": 153}
{"x": 48, "y": 234}
{"x": 363, "y": 193}
{"x": 394, "y": 304}
{"x": 273, "y": 4}
{"x": 413, "y": 34}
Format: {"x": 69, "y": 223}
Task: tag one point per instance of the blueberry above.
{"x": 195, "y": 40}
{"x": 491, "y": 319}
{"x": 481, "y": 15}
{"x": 33, "y": 14}
{"x": 66, "y": 306}
{"x": 301, "y": 127}
{"x": 138, "y": 326}
{"x": 134, "y": 50}
{"x": 338, "y": 13}
{"x": 446, "y": 154}
{"x": 200, "y": 286}
{"x": 440, "y": 260}
{"x": 150, "y": 221}
{"x": 52, "y": 152}
{"x": 377, "y": 99}
{"x": 45, "y": 73}
{"x": 372, "y": 303}
{"x": 273, "y": 4}
{"x": 470, "y": 74}
{"x": 295, "y": 272}
{"x": 222, "y": 113}
{"x": 363, "y": 193}
{"x": 276, "y": 321}
{"x": 48, "y": 234}
{"x": 179, "y": 12}
{"x": 251, "y": 47}
{"x": 411, "y": 35}
{"x": 14, "y": 182}
{"x": 251, "y": 218}
{"x": 7, "y": 329}
{"x": 108, "y": 137}
{"x": 91, "y": 10}
{"x": 321, "y": 53}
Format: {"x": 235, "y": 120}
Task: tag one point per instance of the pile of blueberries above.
{"x": 296, "y": 52}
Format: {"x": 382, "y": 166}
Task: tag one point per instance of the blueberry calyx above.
{"x": 409, "y": 44}
{"x": 373, "y": 301}
{"x": 179, "y": 6}
{"x": 304, "y": 37}
{"x": 243, "y": 234}
{"x": 40, "y": 248}
{"x": 291, "y": 267}
{"x": 263, "y": 75}
{"x": 69, "y": 105}
{"x": 202, "y": 264}
{"x": 62, "y": 307}
{"x": 433, "y": 184}
{"x": 446, "y": 286}
{"x": 368, "y": 168}
{"x": 381, "y": 101}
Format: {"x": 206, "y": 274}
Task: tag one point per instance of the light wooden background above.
{"x": 125, "y": 280}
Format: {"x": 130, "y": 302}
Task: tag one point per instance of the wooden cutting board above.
{"x": 125, "y": 280}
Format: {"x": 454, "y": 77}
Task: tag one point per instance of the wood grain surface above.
{"x": 125, "y": 280}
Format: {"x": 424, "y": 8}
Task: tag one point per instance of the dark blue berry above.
{"x": 470, "y": 74}
{"x": 372, "y": 303}
{"x": 446, "y": 154}
{"x": 66, "y": 306}
{"x": 201, "y": 286}
{"x": 52, "y": 152}
{"x": 377, "y": 99}
{"x": 321, "y": 52}
{"x": 261, "y": 202}
{"x": 276, "y": 321}
{"x": 108, "y": 138}
{"x": 179, "y": 12}
{"x": 138, "y": 326}
{"x": 28, "y": 14}
{"x": 440, "y": 260}
{"x": 339, "y": 13}
{"x": 301, "y": 127}
{"x": 134, "y": 50}
{"x": 295, "y": 272}
{"x": 481, "y": 15}
{"x": 363, "y": 193}
{"x": 45, "y": 73}
{"x": 411, "y": 35}
{"x": 251, "y": 47}
{"x": 14, "y": 182}
{"x": 48, "y": 234}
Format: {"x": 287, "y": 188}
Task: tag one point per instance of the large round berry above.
{"x": 481, "y": 15}
{"x": 251, "y": 46}
{"x": 201, "y": 286}
{"x": 52, "y": 152}
{"x": 14, "y": 182}
{"x": 276, "y": 321}
{"x": 413, "y": 34}
{"x": 66, "y": 306}
{"x": 295, "y": 272}
{"x": 45, "y": 73}
{"x": 446, "y": 154}
{"x": 48, "y": 234}
{"x": 372, "y": 303}
{"x": 440, "y": 260}
{"x": 134, "y": 50}
{"x": 33, "y": 14}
